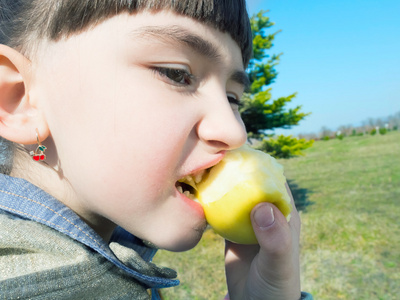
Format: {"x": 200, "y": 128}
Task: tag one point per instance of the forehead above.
{"x": 156, "y": 32}
{"x": 171, "y": 28}
{"x": 163, "y": 26}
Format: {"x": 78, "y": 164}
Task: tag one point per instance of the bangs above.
{"x": 68, "y": 17}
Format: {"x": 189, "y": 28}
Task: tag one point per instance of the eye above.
{"x": 175, "y": 76}
{"x": 233, "y": 100}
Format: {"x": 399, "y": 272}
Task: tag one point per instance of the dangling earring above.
{"x": 38, "y": 154}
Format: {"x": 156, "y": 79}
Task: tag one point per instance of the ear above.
{"x": 19, "y": 116}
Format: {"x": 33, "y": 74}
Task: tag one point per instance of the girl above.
{"x": 104, "y": 106}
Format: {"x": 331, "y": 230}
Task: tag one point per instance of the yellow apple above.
{"x": 231, "y": 189}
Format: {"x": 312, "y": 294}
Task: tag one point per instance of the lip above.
{"x": 205, "y": 166}
{"x": 191, "y": 203}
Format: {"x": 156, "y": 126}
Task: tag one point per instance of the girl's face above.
{"x": 133, "y": 105}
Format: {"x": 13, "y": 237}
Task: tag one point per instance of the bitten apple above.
{"x": 231, "y": 189}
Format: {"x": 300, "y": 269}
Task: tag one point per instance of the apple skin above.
{"x": 231, "y": 189}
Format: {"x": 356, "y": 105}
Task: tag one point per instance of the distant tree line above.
{"x": 368, "y": 126}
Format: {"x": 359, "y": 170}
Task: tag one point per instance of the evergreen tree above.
{"x": 259, "y": 112}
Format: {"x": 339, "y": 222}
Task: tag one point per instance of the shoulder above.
{"x": 20, "y": 233}
{"x": 51, "y": 263}
{"x": 30, "y": 247}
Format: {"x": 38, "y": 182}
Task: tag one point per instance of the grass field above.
{"x": 348, "y": 192}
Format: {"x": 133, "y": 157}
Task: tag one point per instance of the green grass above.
{"x": 348, "y": 192}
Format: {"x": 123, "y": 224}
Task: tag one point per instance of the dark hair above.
{"x": 6, "y": 156}
{"x": 23, "y": 23}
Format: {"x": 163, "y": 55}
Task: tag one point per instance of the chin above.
{"x": 183, "y": 242}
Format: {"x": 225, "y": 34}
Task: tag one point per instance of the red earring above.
{"x": 38, "y": 154}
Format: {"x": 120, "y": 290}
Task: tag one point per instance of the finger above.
{"x": 272, "y": 229}
{"x": 238, "y": 259}
{"x": 277, "y": 264}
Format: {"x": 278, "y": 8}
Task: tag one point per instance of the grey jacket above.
{"x": 48, "y": 252}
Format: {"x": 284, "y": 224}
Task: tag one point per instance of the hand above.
{"x": 271, "y": 269}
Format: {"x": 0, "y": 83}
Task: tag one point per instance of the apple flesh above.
{"x": 231, "y": 189}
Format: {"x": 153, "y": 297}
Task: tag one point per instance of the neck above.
{"x": 50, "y": 178}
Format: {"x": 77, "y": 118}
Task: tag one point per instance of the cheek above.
{"x": 117, "y": 137}
{"x": 137, "y": 156}
{"x": 146, "y": 155}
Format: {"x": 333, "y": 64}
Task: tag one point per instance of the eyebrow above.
{"x": 241, "y": 78}
{"x": 195, "y": 42}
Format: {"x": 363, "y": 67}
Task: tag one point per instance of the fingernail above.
{"x": 264, "y": 216}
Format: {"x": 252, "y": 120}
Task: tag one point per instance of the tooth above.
{"x": 192, "y": 197}
{"x": 199, "y": 176}
{"x": 187, "y": 194}
{"x": 192, "y": 182}
{"x": 179, "y": 188}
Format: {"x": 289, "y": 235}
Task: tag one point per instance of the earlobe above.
{"x": 19, "y": 118}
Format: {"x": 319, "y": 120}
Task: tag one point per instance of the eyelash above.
{"x": 165, "y": 72}
{"x": 235, "y": 101}
{"x": 188, "y": 80}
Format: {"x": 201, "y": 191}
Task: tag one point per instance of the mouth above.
{"x": 188, "y": 184}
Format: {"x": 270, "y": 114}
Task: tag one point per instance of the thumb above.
{"x": 271, "y": 228}
{"x": 277, "y": 263}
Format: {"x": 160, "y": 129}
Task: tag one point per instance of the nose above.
{"x": 221, "y": 127}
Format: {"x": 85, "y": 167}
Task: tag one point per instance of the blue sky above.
{"x": 342, "y": 57}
